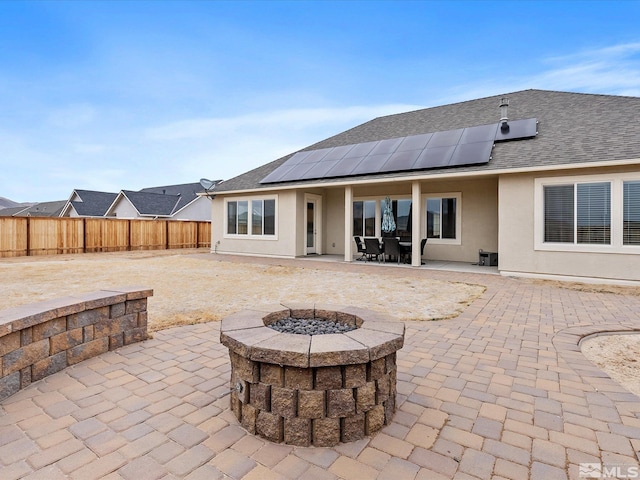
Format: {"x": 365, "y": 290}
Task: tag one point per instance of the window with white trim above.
{"x": 364, "y": 218}
{"x": 443, "y": 220}
{"x": 590, "y": 213}
{"x": 251, "y": 217}
{"x": 578, "y": 213}
{"x": 631, "y": 213}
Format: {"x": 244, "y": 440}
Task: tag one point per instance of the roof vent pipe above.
{"x": 504, "y": 119}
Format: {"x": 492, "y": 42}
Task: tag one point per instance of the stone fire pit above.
{"x": 312, "y": 390}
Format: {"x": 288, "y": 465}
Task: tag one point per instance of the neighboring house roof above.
{"x": 91, "y": 203}
{"x": 152, "y": 204}
{"x": 574, "y": 128}
{"x": 12, "y": 211}
{"x": 187, "y": 192}
{"x": 164, "y": 201}
{"x": 42, "y": 209}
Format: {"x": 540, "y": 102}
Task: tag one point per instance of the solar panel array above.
{"x": 451, "y": 148}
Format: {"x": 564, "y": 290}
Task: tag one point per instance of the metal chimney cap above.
{"x": 504, "y": 119}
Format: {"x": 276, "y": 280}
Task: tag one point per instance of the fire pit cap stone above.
{"x": 247, "y": 334}
{"x": 283, "y": 349}
{"x": 336, "y": 349}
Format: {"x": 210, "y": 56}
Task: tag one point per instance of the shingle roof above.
{"x": 44, "y": 209}
{"x": 147, "y": 203}
{"x": 93, "y": 204}
{"x": 187, "y": 192}
{"x": 11, "y": 211}
{"x": 573, "y": 128}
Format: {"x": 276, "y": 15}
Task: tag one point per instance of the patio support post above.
{"x": 348, "y": 223}
{"x": 416, "y": 217}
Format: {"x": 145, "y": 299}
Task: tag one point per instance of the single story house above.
{"x": 550, "y": 181}
{"x": 88, "y": 203}
{"x": 174, "y": 202}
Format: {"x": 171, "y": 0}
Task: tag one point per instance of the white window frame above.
{"x": 443, "y": 241}
{"x": 617, "y": 207}
{"x": 250, "y": 234}
{"x": 377, "y": 199}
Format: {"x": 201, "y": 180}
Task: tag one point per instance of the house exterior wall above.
{"x": 123, "y": 209}
{"x": 521, "y": 254}
{"x": 479, "y": 226}
{"x": 334, "y": 221}
{"x": 282, "y": 244}
{"x": 199, "y": 209}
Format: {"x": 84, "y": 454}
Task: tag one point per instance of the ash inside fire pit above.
{"x": 310, "y": 326}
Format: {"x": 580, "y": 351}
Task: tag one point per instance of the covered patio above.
{"x": 440, "y": 265}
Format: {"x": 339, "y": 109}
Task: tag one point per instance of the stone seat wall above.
{"x": 39, "y": 339}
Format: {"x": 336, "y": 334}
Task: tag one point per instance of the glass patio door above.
{"x": 311, "y": 226}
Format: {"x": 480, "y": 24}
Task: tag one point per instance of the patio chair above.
{"x": 423, "y": 242}
{"x": 361, "y": 249}
{"x": 392, "y": 248}
{"x": 373, "y": 249}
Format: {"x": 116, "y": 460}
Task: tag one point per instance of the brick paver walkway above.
{"x": 500, "y": 392}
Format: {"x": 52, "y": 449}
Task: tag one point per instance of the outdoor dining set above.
{"x": 393, "y": 248}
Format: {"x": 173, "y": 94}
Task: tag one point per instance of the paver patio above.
{"x": 500, "y": 392}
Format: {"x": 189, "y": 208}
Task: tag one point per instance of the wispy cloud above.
{"x": 611, "y": 70}
{"x": 283, "y": 120}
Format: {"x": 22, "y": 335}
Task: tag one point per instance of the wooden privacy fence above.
{"x": 23, "y": 236}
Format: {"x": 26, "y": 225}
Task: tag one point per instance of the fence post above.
{"x": 28, "y": 235}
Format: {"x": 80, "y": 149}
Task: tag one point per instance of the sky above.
{"x": 123, "y": 95}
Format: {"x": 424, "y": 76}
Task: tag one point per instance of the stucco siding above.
{"x": 283, "y": 244}
{"x": 518, "y": 229}
{"x": 199, "y": 209}
{"x": 334, "y": 222}
{"x": 124, "y": 209}
{"x": 479, "y": 227}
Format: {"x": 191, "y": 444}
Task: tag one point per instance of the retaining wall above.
{"x": 40, "y": 339}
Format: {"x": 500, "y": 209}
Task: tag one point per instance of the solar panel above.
{"x": 518, "y": 129}
{"x": 450, "y": 148}
{"x": 445, "y": 139}
{"x": 481, "y": 133}
{"x": 319, "y": 170}
{"x": 401, "y": 161}
{"x": 386, "y": 146}
{"x": 344, "y": 167}
{"x": 370, "y": 164}
{"x": 337, "y": 153}
{"x": 471, "y": 153}
{"x": 434, "y": 157}
{"x": 415, "y": 142}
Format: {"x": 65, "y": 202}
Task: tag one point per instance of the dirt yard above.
{"x": 618, "y": 356}
{"x": 190, "y": 288}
